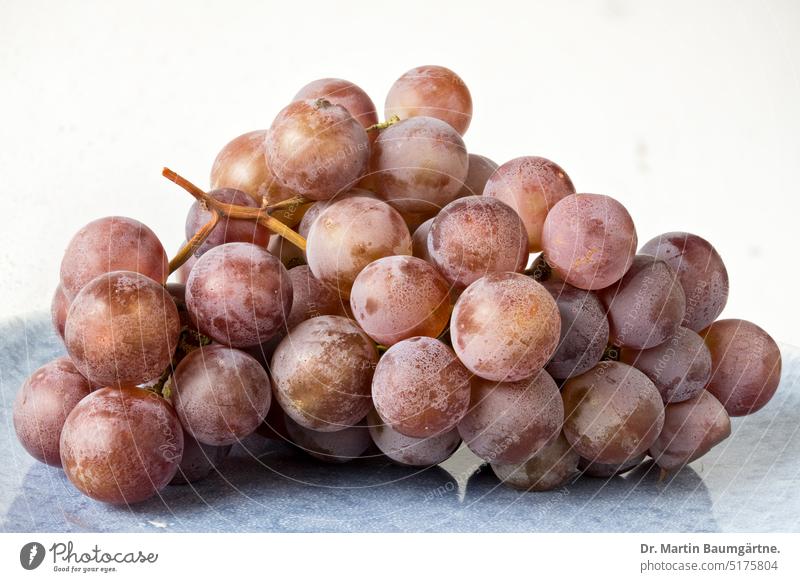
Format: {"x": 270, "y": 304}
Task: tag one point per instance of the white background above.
{"x": 687, "y": 112}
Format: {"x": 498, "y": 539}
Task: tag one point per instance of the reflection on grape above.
{"x": 406, "y": 450}
{"x": 220, "y": 394}
{"x": 701, "y": 272}
{"x": 691, "y": 429}
{"x": 680, "y": 367}
{"x": 114, "y": 243}
{"x": 646, "y": 306}
{"x": 613, "y": 413}
{"x": 420, "y": 389}
{"x": 474, "y": 236}
{"x": 344, "y": 93}
{"x": 509, "y": 422}
{"x": 589, "y": 239}
{"x": 316, "y": 148}
{"x": 531, "y": 186}
{"x": 122, "y": 328}
{"x": 310, "y": 297}
{"x": 479, "y": 171}
{"x": 121, "y": 445}
{"x": 332, "y": 447}
{"x": 551, "y": 467}
{"x": 59, "y": 306}
{"x": 227, "y": 229}
{"x": 431, "y": 91}
{"x": 745, "y": 365}
{"x": 322, "y": 372}
{"x": 238, "y": 294}
{"x": 198, "y": 460}
{"x": 42, "y": 406}
{"x": 505, "y": 327}
{"x": 395, "y": 298}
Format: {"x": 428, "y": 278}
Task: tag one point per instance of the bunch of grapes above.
{"x": 360, "y": 288}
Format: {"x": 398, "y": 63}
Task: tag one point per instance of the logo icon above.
{"x": 31, "y": 555}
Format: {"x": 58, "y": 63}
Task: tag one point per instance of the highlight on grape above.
{"x": 363, "y": 288}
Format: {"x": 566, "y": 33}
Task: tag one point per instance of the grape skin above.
{"x": 59, "y": 307}
{"x": 121, "y": 445}
{"x": 410, "y": 451}
{"x": 242, "y": 165}
{"x": 42, "y": 405}
{"x": 221, "y": 394}
{"x": 227, "y": 229}
{"x": 691, "y": 429}
{"x": 613, "y": 413}
{"x": 198, "y": 460}
{"x": 344, "y": 93}
{"x": 322, "y": 372}
{"x": 349, "y": 235}
{"x": 316, "y": 209}
{"x": 646, "y": 306}
{"x": 317, "y": 149}
{"x": 395, "y": 298}
{"x": 479, "y": 170}
{"x": 474, "y": 236}
{"x": 551, "y": 467}
{"x": 531, "y": 186}
{"x": 331, "y": 447}
{"x": 680, "y": 367}
{"x": 420, "y": 389}
{"x": 505, "y": 327}
{"x": 419, "y": 165}
{"x": 310, "y": 297}
{"x": 419, "y": 241}
{"x": 431, "y": 91}
{"x": 238, "y": 294}
{"x": 122, "y": 328}
{"x": 584, "y": 330}
{"x": 701, "y": 272}
{"x": 113, "y": 243}
{"x": 509, "y": 422}
{"x": 589, "y": 239}
{"x": 745, "y": 365}
{"x": 288, "y": 254}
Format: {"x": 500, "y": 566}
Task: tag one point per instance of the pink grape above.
{"x": 59, "y": 307}
{"x": 238, "y": 294}
{"x": 505, "y": 327}
{"x": 332, "y": 447}
{"x": 646, "y": 306}
{"x": 701, "y": 272}
{"x": 745, "y": 365}
{"x": 551, "y": 467}
{"x": 406, "y": 450}
{"x": 431, "y": 91}
{"x": 310, "y": 297}
{"x": 114, "y": 243}
{"x": 349, "y": 235}
{"x": 42, "y": 406}
{"x": 589, "y": 239}
{"x": 420, "y": 389}
{"x": 316, "y": 209}
{"x": 227, "y": 230}
{"x": 322, "y": 372}
{"x": 122, "y": 328}
{"x": 531, "y": 186}
{"x": 479, "y": 170}
{"x": 395, "y": 298}
{"x": 419, "y": 241}
{"x": 474, "y": 236}
{"x": 509, "y": 422}
{"x": 221, "y": 394}
{"x": 344, "y": 93}
{"x": 316, "y": 148}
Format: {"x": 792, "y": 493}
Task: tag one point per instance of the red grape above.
{"x": 344, "y": 93}
{"x": 238, "y": 294}
{"x": 122, "y": 328}
{"x": 228, "y": 229}
{"x": 691, "y": 429}
{"x": 479, "y": 171}
{"x": 419, "y": 241}
{"x": 745, "y": 365}
{"x": 531, "y": 186}
{"x": 395, "y": 298}
{"x": 680, "y": 367}
{"x": 114, "y": 243}
{"x": 121, "y": 445}
{"x": 316, "y": 148}
{"x": 332, "y": 447}
{"x": 316, "y": 209}
{"x": 589, "y": 239}
{"x": 42, "y": 406}
{"x": 613, "y": 413}
{"x": 182, "y": 274}
{"x": 221, "y": 394}
{"x": 431, "y": 91}
{"x": 701, "y": 272}
{"x": 59, "y": 306}
{"x": 505, "y": 327}
{"x": 406, "y": 450}
{"x": 646, "y": 306}
{"x": 322, "y": 372}
{"x": 551, "y": 467}
{"x": 474, "y": 236}
{"x": 509, "y": 422}
{"x": 420, "y": 389}
{"x": 288, "y": 254}
{"x": 310, "y": 297}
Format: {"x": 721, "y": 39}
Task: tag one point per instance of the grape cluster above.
{"x": 362, "y": 288}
